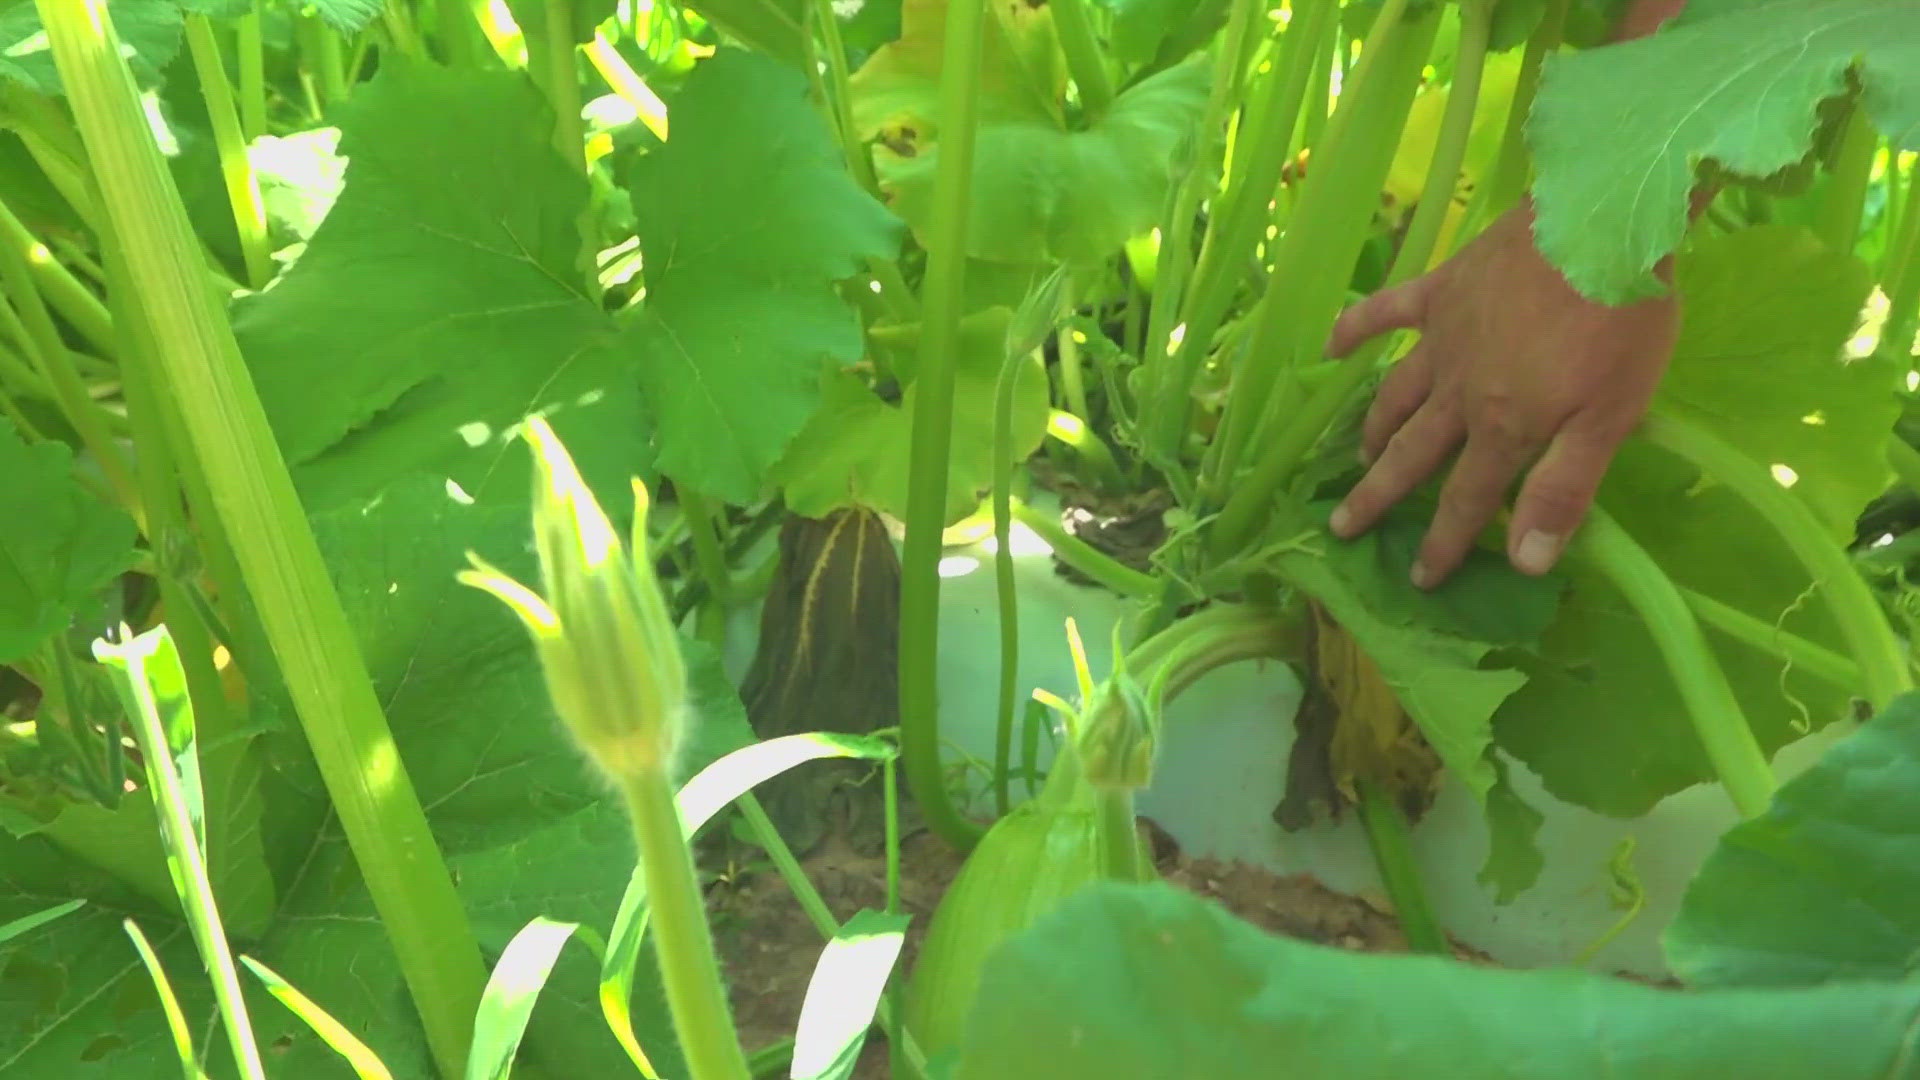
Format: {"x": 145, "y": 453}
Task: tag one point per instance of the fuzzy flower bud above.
{"x": 606, "y": 641}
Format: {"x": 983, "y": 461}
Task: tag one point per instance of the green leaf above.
{"x": 512, "y": 990}
{"x": 440, "y": 302}
{"x": 1766, "y": 314}
{"x": 59, "y": 543}
{"x": 1142, "y": 27}
{"x": 1437, "y": 678}
{"x": 1759, "y": 363}
{"x": 746, "y": 219}
{"x": 854, "y": 451}
{"x": 1821, "y": 887}
{"x": 843, "y": 994}
{"x": 527, "y": 831}
{"x": 149, "y": 29}
{"x": 1042, "y": 190}
{"x": 348, "y": 17}
{"x": 1150, "y": 980}
{"x": 26, "y": 923}
{"x": 1486, "y": 599}
{"x": 1616, "y": 131}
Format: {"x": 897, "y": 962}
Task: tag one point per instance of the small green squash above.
{"x": 1040, "y": 853}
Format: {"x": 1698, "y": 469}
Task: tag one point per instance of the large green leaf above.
{"x": 746, "y": 219}
{"x": 59, "y": 543}
{"x": 441, "y": 300}
{"x": 526, "y": 828}
{"x": 1766, "y": 314}
{"x": 1616, "y": 131}
{"x": 1759, "y": 363}
{"x": 1151, "y": 981}
{"x": 1043, "y": 189}
{"x": 1821, "y": 887}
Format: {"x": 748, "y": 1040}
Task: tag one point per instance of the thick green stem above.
{"x": 1717, "y": 717}
{"x": 62, "y": 291}
{"x": 1506, "y": 182}
{"x": 1392, "y": 842}
{"x": 397, "y": 17}
{"x": 55, "y": 365}
{"x": 1311, "y": 269}
{"x": 243, "y": 187}
{"x": 1005, "y": 592}
{"x": 683, "y": 942}
{"x": 1233, "y": 231}
{"x": 250, "y": 58}
{"x": 1882, "y": 660}
{"x": 562, "y": 83}
{"x": 227, "y": 430}
{"x": 1084, "y": 59}
{"x": 1842, "y": 204}
{"x": 1119, "y": 835}
{"x": 932, "y": 438}
{"x": 1766, "y": 637}
{"x": 1450, "y": 144}
{"x": 1174, "y": 265}
{"x": 325, "y": 56}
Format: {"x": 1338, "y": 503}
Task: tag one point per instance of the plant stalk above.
{"x": 230, "y": 140}
{"x": 1005, "y": 591}
{"x": 1266, "y": 131}
{"x": 1391, "y": 840}
{"x": 932, "y": 437}
{"x": 1312, "y": 265}
{"x": 1794, "y": 649}
{"x": 250, "y": 58}
{"x": 1882, "y": 660}
{"x": 202, "y": 370}
{"x": 1084, "y": 557}
{"x": 1506, "y": 182}
{"x": 683, "y": 943}
{"x": 1084, "y": 59}
{"x": 1717, "y": 717}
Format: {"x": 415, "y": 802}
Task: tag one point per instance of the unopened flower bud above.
{"x": 606, "y": 642}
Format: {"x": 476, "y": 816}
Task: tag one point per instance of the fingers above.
{"x": 1403, "y": 307}
{"x": 1410, "y": 456}
{"x": 1402, "y": 392}
{"x": 1558, "y": 492}
{"x": 1475, "y": 491}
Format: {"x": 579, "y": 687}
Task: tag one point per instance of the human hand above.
{"x": 1522, "y": 370}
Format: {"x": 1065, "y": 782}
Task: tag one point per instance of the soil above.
{"x": 768, "y": 947}
{"x": 1127, "y": 527}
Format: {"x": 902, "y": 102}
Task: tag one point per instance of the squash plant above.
{"x": 284, "y": 285}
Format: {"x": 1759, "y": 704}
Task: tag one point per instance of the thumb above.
{"x": 1403, "y": 307}
{"x": 1557, "y": 493}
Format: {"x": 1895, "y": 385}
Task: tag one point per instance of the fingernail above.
{"x": 1536, "y": 552}
{"x": 1422, "y": 577}
{"x": 1341, "y": 520}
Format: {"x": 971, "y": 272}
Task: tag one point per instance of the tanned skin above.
{"x": 1516, "y": 372}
